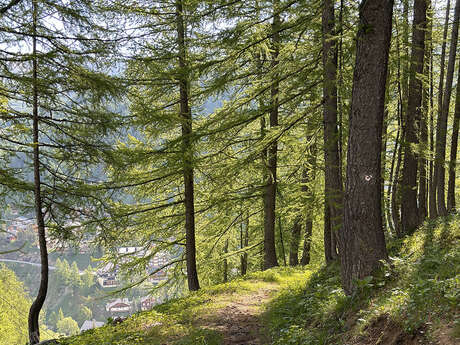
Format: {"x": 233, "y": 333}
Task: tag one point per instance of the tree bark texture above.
{"x": 333, "y": 175}
{"x": 35, "y": 308}
{"x": 244, "y": 242}
{"x": 270, "y": 259}
{"x": 186, "y": 115}
{"x": 453, "y": 150}
{"x": 362, "y": 239}
{"x": 435, "y": 212}
{"x": 409, "y": 208}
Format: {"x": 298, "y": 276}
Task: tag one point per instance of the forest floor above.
{"x": 414, "y": 300}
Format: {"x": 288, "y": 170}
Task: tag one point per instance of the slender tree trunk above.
{"x": 270, "y": 259}
{"x": 333, "y": 175}
{"x": 423, "y": 162}
{"x": 226, "y": 262}
{"x": 35, "y": 308}
{"x": 190, "y": 250}
{"x": 244, "y": 242}
{"x": 432, "y": 209}
{"x": 453, "y": 150}
{"x": 363, "y": 240}
{"x": 434, "y": 183}
{"x": 441, "y": 130}
{"x": 295, "y": 239}
{"x": 409, "y": 208}
{"x": 305, "y": 260}
{"x": 283, "y": 251}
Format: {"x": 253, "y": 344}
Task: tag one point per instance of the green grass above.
{"x": 419, "y": 291}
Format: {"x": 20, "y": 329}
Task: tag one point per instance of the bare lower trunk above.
{"x": 244, "y": 241}
{"x": 226, "y": 261}
{"x": 270, "y": 259}
{"x": 409, "y": 208}
{"x": 362, "y": 239}
{"x": 305, "y": 260}
{"x": 441, "y": 128}
{"x": 453, "y": 150}
{"x": 186, "y": 115}
{"x": 35, "y": 308}
{"x": 333, "y": 175}
{"x": 295, "y": 239}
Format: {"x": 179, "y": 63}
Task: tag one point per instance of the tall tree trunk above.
{"x": 186, "y": 115}
{"x": 423, "y": 162}
{"x": 434, "y": 183}
{"x": 35, "y": 308}
{"x": 333, "y": 175}
{"x": 226, "y": 262}
{"x": 441, "y": 130}
{"x": 453, "y": 150}
{"x": 409, "y": 208}
{"x": 305, "y": 260}
{"x": 432, "y": 209}
{"x": 362, "y": 239}
{"x": 244, "y": 242}
{"x": 270, "y": 259}
{"x": 295, "y": 239}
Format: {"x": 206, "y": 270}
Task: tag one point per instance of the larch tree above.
{"x": 409, "y": 206}
{"x": 441, "y": 129}
{"x": 362, "y": 240}
{"x": 333, "y": 175}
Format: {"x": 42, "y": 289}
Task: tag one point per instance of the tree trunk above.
{"x": 186, "y": 115}
{"x": 432, "y": 209}
{"x": 244, "y": 242}
{"x": 305, "y": 260}
{"x": 35, "y": 308}
{"x": 295, "y": 239}
{"x": 453, "y": 150}
{"x": 226, "y": 262}
{"x": 333, "y": 176}
{"x": 270, "y": 259}
{"x": 362, "y": 239}
{"x": 409, "y": 208}
{"x": 441, "y": 130}
{"x": 423, "y": 162}
{"x": 434, "y": 182}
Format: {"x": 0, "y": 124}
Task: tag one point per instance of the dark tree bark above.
{"x": 305, "y": 260}
{"x": 453, "y": 150}
{"x": 244, "y": 242}
{"x": 362, "y": 239}
{"x": 226, "y": 262}
{"x": 333, "y": 175}
{"x": 295, "y": 240}
{"x": 270, "y": 259}
{"x": 35, "y": 308}
{"x": 186, "y": 114}
{"x": 434, "y": 183}
{"x": 441, "y": 130}
{"x": 409, "y": 208}
{"x": 423, "y": 162}
{"x": 432, "y": 209}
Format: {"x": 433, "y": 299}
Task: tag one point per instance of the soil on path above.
{"x": 239, "y": 321}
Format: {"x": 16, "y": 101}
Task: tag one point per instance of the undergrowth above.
{"x": 418, "y": 290}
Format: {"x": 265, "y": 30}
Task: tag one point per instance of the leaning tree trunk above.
{"x": 453, "y": 150}
{"x": 270, "y": 259}
{"x": 409, "y": 208}
{"x": 35, "y": 308}
{"x": 333, "y": 176}
{"x": 362, "y": 239}
{"x": 186, "y": 115}
{"x": 441, "y": 130}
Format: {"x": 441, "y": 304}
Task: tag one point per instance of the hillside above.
{"x": 413, "y": 300}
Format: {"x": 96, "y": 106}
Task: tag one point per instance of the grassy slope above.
{"x": 413, "y": 300}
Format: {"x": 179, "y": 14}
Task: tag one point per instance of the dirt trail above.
{"x": 239, "y": 321}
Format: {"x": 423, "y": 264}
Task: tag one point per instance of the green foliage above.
{"x": 67, "y": 326}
